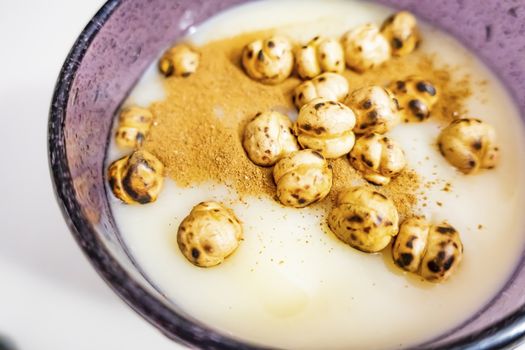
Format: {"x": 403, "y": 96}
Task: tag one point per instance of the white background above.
{"x": 50, "y": 297}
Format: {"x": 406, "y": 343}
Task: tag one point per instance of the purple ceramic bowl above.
{"x": 111, "y": 54}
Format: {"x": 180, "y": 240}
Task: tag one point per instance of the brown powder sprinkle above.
{"x": 199, "y": 125}
{"x": 447, "y": 187}
{"x": 453, "y": 89}
{"x": 402, "y": 190}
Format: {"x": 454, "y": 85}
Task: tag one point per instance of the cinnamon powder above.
{"x": 199, "y": 124}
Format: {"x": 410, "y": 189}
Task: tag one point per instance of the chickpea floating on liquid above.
{"x": 416, "y": 98}
{"x": 432, "y": 251}
{"x": 364, "y": 219}
{"x": 137, "y": 178}
{"x": 302, "y": 178}
{"x": 326, "y": 126}
{"x": 209, "y": 234}
{"x": 376, "y": 109}
{"x": 470, "y": 145}
{"x": 318, "y": 56}
{"x": 180, "y": 61}
{"x": 365, "y": 48}
{"x": 402, "y": 33}
{"x": 133, "y": 126}
{"x": 378, "y": 158}
{"x": 411, "y": 244}
{"x": 268, "y": 137}
{"x": 269, "y": 61}
{"x": 330, "y": 86}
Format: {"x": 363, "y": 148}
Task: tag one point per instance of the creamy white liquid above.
{"x": 290, "y": 284}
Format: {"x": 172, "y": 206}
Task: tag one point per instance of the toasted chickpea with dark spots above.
{"x": 365, "y": 219}
{"x": 376, "y": 109}
{"x": 326, "y": 126}
{"x": 302, "y": 178}
{"x": 133, "y": 126}
{"x": 330, "y": 86}
{"x": 268, "y": 137}
{"x": 470, "y": 145}
{"x": 402, "y": 33}
{"x": 432, "y": 251}
{"x": 180, "y": 61}
{"x": 378, "y": 158}
{"x": 209, "y": 234}
{"x": 410, "y": 244}
{"x": 137, "y": 178}
{"x": 318, "y": 56}
{"x": 269, "y": 61}
{"x": 443, "y": 255}
{"x": 416, "y": 97}
{"x": 365, "y": 48}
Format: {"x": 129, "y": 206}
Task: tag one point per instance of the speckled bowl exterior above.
{"x": 111, "y": 54}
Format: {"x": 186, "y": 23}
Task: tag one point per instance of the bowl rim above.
{"x": 507, "y": 332}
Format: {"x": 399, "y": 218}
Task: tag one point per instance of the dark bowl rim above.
{"x": 504, "y": 333}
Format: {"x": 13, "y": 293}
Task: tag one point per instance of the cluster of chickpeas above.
{"x": 138, "y": 177}
{"x": 332, "y": 122}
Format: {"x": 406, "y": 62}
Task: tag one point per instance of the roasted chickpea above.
{"x": 180, "y": 61}
{"x": 302, "y": 178}
{"x": 326, "y": 126}
{"x": 268, "y": 137}
{"x": 378, "y": 158}
{"x": 432, "y": 251}
{"x": 133, "y": 126}
{"x": 411, "y": 244}
{"x": 443, "y": 255}
{"x": 116, "y": 172}
{"x": 469, "y": 145}
{"x": 209, "y": 234}
{"x": 376, "y": 109}
{"x": 136, "y": 178}
{"x": 319, "y": 55}
{"x": 330, "y": 86}
{"x": 402, "y": 33}
{"x": 365, "y": 48}
{"x": 269, "y": 61}
{"x": 365, "y": 219}
{"x": 416, "y": 98}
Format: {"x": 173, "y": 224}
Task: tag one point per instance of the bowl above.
{"x": 110, "y": 55}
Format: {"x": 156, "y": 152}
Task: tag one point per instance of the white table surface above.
{"x": 50, "y": 297}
